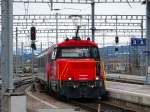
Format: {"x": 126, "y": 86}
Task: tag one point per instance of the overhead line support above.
{"x": 93, "y": 20}
{"x": 148, "y": 42}
{"x": 6, "y": 53}
{"x": 78, "y": 1}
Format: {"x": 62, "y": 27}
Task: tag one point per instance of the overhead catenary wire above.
{"x": 79, "y": 1}
{"x": 129, "y": 4}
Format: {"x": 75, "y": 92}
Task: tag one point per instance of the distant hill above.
{"x": 27, "y": 55}
{"x": 109, "y": 51}
{"x": 106, "y": 52}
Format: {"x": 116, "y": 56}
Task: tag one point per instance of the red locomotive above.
{"x": 73, "y": 69}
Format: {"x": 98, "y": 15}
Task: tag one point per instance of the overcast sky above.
{"x": 109, "y": 8}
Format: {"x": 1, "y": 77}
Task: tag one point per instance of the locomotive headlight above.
{"x": 69, "y": 78}
{"x": 97, "y": 78}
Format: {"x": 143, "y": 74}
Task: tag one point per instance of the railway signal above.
{"x": 33, "y": 37}
{"x": 117, "y": 39}
{"x": 33, "y": 33}
{"x": 33, "y": 46}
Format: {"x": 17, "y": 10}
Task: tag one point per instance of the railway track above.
{"x": 84, "y": 105}
{"x": 111, "y": 105}
{"x": 20, "y": 82}
{"x": 23, "y": 82}
{"x": 101, "y": 106}
{"x": 21, "y": 85}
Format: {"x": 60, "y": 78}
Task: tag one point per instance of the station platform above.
{"x": 127, "y": 77}
{"x": 134, "y": 93}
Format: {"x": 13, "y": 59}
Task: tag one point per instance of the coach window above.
{"x": 53, "y": 54}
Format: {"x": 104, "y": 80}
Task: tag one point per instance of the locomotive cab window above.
{"x": 74, "y": 52}
{"x": 78, "y": 52}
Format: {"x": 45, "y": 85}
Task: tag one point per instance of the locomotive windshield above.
{"x": 78, "y": 52}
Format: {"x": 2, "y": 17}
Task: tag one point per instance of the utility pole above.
{"x": 7, "y": 54}
{"x": 33, "y": 46}
{"x": 148, "y": 42}
{"x": 88, "y": 27}
{"x": 56, "y": 27}
{"x": 22, "y": 63}
{"x": 93, "y": 20}
{"x": 56, "y": 17}
{"x": 142, "y": 28}
{"x": 141, "y": 57}
{"x": 41, "y": 47}
{"x": 51, "y": 5}
{"x": 33, "y": 77}
{"x": 17, "y": 58}
{"x": 103, "y": 39}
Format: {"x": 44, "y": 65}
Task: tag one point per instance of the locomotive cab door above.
{"x": 53, "y": 72}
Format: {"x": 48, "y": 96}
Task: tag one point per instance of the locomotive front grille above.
{"x": 82, "y": 89}
{"x": 83, "y": 83}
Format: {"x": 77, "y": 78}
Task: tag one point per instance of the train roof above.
{"x": 78, "y": 43}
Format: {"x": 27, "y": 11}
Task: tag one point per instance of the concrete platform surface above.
{"x": 58, "y": 110}
{"x": 126, "y": 76}
{"x": 129, "y": 92}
